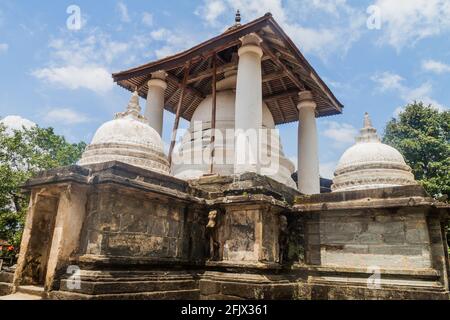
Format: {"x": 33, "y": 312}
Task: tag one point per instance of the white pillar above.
{"x": 308, "y": 156}
{"x": 155, "y": 101}
{"x": 248, "y": 114}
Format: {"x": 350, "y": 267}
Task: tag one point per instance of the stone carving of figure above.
{"x": 211, "y": 236}
{"x": 283, "y": 238}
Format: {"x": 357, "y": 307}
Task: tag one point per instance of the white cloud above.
{"x": 435, "y": 66}
{"x": 405, "y": 22}
{"x": 330, "y": 6}
{"x": 65, "y": 116}
{"x": 95, "y": 47}
{"x": 123, "y": 10}
{"x": 322, "y": 41}
{"x": 93, "y": 78}
{"x": 391, "y": 82}
{"x": 85, "y": 60}
{"x": 344, "y": 24}
{"x": 388, "y": 81}
{"x": 327, "y": 169}
{"x": 147, "y": 19}
{"x": 211, "y": 10}
{"x": 173, "y": 42}
{"x": 3, "y": 47}
{"x": 343, "y": 134}
{"x": 159, "y": 34}
{"x": 16, "y": 123}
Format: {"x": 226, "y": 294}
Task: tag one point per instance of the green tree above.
{"x": 23, "y": 153}
{"x": 422, "y": 134}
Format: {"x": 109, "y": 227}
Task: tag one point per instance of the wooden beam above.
{"x": 280, "y": 109}
{"x": 282, "y": 66}
{"x": 210, "y": 72}
{"x": 270, "y": 36}
{"x": 222, "y": 48}
{"x": 187, "y": 67}
{"x": 172, "y": 96}
{"x": 213, "y": 113}
{"x": 333, "y": 101}
{"x": 174, "y": 80}
{"x": 220, "y": 69}
{"x": 281, "y": 95}
{"x": 219, "y": 58}
{"x": 286, "y": 53}
{"x": 189, "y": 107}
{"x": 306, "y": 64}
{"x": 143, "y": 83}
{"x": 272, "y": 76}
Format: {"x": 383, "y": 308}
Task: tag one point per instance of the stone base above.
{"x": 306, "y": 291}
{"x": 219, "y": 283}
{"x": 5, "y": 288}
{"x": 6, "y": 280}
{"x": 329, "y": 284}
{"x": 162, "y": 295}
{"x": 136, "y": 234}
{"x": 129, "y": 285}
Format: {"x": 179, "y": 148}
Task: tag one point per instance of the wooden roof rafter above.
{"x": 285, "y": 72}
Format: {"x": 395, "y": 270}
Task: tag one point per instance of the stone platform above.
{"x": 136, "y": 234}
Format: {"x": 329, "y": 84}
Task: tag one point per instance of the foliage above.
{"x": 23, "y": 153}
{"x": 422, "y": 134}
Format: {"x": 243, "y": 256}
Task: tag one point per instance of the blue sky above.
{"x": 58, "y": 77}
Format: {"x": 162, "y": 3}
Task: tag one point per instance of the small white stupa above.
{"x": 128, "y": 139}
{"x": 370, "y": 164}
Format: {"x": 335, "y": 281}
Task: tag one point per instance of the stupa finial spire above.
{"x": 367, "y": 121}
{"x": 133, "y": 105}
{"x": 368, "y": 132}
{"x": 238, "y": 18}
{"x": 133, "y": 108}
{"x": 237, "y": 21}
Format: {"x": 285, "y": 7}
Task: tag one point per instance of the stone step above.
{"x": 161, "y": 295}
{"x": 117, "y": 287}
{"x": 7, "y": 277}
{"x": 20, "y": 296}
{"x": 406, "y": 284}
{"x": 31, "y": 290}
{"x": 5, "y": 288}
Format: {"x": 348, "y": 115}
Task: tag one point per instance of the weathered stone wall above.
{"x": 6, "y": 280}
{"x": 383, "y": 238}
{"x": 438, "y": 243}
{"x": 142, "y": 233}
{"x": 38, "y": 236}
{"x": 249, "y": 233}
{"x": 239, "y": 235}
{"x": 125, "y": 223}
{"x": 294, "y": 250}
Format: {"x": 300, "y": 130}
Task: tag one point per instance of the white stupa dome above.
{"x": 192, "y": 154}
{"x": 129, "y": 139}
{"x": 370, "y": 164}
